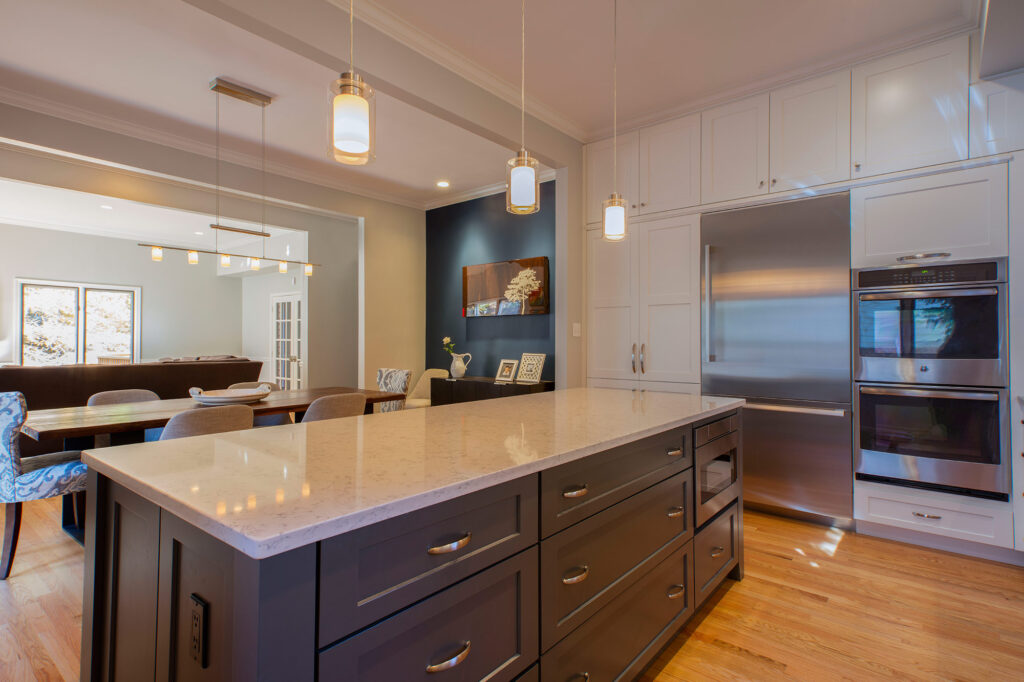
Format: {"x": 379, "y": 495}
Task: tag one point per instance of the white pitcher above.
{"x": 459, "y": 365}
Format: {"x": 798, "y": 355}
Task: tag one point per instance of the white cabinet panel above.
{"x": 997, "y": 116}
{"x": 910, "y": 110}
{"x": 670, "y": 165}
{"x": 962, "y": 213}
{"x": 810, "y": 133}
{"x": 611, "y": 308}
{"x": 669, "y": 300}
{"x": 599, "y": 174}
{"x": 734, "y": 150}
{"x": 1016, "y": 321}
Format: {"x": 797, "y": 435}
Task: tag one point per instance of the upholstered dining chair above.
{"x": 203, "y": 421}
{"x": 265, "y": 419}
{"x": 32, "y": 478}
{"x": 120, "y": 397}
{"x": 419, "y": 396}
{"x": 335, "y": 406}
{"x": 393, "y": 381}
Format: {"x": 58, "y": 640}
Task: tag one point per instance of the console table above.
{"x": 448, "y": 391}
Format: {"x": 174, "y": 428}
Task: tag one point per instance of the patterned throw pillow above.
{"x": 393, "y": 381}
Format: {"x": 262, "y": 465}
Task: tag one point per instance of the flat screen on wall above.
{"x": 512, "y": 287}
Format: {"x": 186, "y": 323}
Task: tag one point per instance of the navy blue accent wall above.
{"x": 482, "y": 231}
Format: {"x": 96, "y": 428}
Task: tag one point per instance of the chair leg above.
{"x": 80, "y": 510}
{"x": 12, "y": 526}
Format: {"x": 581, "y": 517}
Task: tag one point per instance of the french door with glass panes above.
{"x": 286, "y": 340}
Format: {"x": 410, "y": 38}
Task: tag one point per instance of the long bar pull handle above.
{"x": 575, "y": 491}
{"x": 717, "y": 552}
{"x": 451, "y": 546}
{"x": 706, "y": 305}
{"x": 675, "y": 591}
{"x": 928, "y": 393}
{"x": 632, "y": 359}
{"x": 643, "y": 347}
{"x": 921, "y": 515}
{"x": 576, "y": 574}
{"x": 451, "y": 662}
{"x": 923, "y": 256}
{"x": 817, "y": 411}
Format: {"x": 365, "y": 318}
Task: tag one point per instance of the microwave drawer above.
{"x": 709, "y": 432}
{"x": 481, "y": 628}
{"x": 714, "y": 552}
{"x": 619, "y": 641}
{"x": 573, "y": 491}
{"x": 371, "y": 572}
{"x": 585, "y": 566}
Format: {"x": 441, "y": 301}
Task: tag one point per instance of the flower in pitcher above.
{"x": 448, "y": 345}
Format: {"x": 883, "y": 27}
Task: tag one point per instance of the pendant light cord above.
{"x": 351, "y": 36}
{"x": 522, "y": 85}
{"x": 216, "y": 233}
{"x": 615, "y": 97}
{"x": 263, "y": 175}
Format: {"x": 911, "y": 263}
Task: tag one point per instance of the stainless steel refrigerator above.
{"x": 775, "y": 285}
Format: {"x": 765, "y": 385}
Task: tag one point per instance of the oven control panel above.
{"x": 950, "y": 273}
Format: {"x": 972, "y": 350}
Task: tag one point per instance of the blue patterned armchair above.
{"x": 34, "y": 478}
{"x": 393, "y": 381}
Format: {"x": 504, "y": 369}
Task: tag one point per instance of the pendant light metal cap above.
{"x": 353, "y": 113}
{"x": 522, "y": 184}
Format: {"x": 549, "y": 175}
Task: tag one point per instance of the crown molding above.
{"x": 485, "y": 191}
{"x": 392, "y": 25}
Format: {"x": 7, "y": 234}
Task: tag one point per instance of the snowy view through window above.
{"x": 53, "y": 318}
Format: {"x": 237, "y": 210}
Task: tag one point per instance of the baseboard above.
{"x": 976, "y": 549}
{"x": 832, "y": 521}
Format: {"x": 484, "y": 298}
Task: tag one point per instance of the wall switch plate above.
{"x": 198, "y": 636}
{"x": 577, "y": 329}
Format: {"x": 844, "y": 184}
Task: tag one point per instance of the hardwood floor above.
{"x": 816, "y": 604}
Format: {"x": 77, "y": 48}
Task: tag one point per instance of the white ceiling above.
{"x": 674, "y": 55}
{"x": 144, "y": 68}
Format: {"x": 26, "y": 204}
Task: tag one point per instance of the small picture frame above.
{"x": 506, "y": 372}
{"x": 530, "y": 367}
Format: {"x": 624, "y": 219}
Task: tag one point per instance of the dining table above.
{"x": 75, "y": 423}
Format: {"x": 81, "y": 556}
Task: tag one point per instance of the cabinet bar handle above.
{"x": 927, "y": 516}
{"x": 923, "y": 256}
{"x": 675, "y": 591}
{"x": 577, "y": 574}
{"x": 717, "y": 552}
{"x": 643, "y": 346}
{"x": 451, "y": 546}
{"x": 580, "y": 676}
{"x": 675, "y": 512}
{"x": 575, "y": 491}
{"x": 451, "y": 662}
{"x": 674, "y": 452}
{"x": 632, "y": 359}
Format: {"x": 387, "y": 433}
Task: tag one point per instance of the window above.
{"x": 62, "y": 323}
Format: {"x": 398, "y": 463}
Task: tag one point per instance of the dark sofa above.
{"x": 71, "y": 385}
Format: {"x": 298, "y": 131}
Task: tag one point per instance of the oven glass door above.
{"x": 958, "y": 324}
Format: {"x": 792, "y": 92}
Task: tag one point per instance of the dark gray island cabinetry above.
{"x": 557, "y": 536}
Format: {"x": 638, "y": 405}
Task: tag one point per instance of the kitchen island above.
{"x": 548, "y": 536}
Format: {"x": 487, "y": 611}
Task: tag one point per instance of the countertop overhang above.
{"x": 269, "y": 490}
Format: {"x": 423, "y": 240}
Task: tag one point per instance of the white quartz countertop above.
{"x": 269, "y": 490}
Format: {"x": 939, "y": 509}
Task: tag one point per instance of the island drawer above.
{"x": 585, "y": 566}
{"x": 481, "y": 628}
{"x": 573, "y": 491}
{"x": 625, "y": 635}
{"x": 371, "y": 572}
{"x": 714, "y": 552}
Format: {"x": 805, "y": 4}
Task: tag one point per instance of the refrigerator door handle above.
{"x": 706, "y": 305}
{"x": 817, "y": 411}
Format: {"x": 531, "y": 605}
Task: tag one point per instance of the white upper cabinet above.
{"x": 734, "y": 150}
{"x": 960, "y": 214}
{"x": 910, "y": 110}
{"x": 599, "y": 174}
{"x": 810, "y": 133}
{"x": 670, "y": 165}
{"x": 611, "y": 308}
{"x": 997, "y": 116}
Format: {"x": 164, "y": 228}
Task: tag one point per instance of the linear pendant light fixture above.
{"x": 615, "y": 205}
{"x": 522, "y": 195}
{"x": 353, "y": 110}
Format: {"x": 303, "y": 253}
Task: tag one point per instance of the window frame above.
{"x": 82, "y": 287}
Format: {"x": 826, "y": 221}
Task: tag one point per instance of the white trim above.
{"x": 485, "y": 191}
{"x": 1004, "y": 555}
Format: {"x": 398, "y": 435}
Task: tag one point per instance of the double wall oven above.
{"x": 931, "y": 366}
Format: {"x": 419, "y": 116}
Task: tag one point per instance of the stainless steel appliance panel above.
{"x": 776, "y": 300}
{"x": 798, "y": 456}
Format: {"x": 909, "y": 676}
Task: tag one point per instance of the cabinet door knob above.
{"x": 675, "y": 512}
{"x": 675, "y": 591}
{"x": 451, "y": 546}
{"x": 643, "y": 203}
{"x": 774, "y": 180}
{"x": 575, "y": 491}
{"x": 761, "y": 184}
{"x": 451, "y": 662}
{"x": 632, "y": 205}
{"x": 856, "y": 166}
{"x": 717, "y": 552}
{"x": 576, "y": 574}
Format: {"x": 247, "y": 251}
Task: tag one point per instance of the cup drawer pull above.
{"x": 575, "y": 491}
{"x": 922, "y": 515}
{"x": 674, "y": 452}
{"x": 576, "y": 574}
{"x": 451, "y": 546}
{"x": 451, "y": 662}
{"x": 675, "y": 591}
{"x": 675, "y": 512}
{"x": 717, "y": 552}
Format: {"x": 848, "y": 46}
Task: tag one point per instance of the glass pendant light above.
{"x": 254, "y": 264}
{"x": 522, "y": 195}
{"x": 353, "y": 110}
{"x": 307, "y": 269}
{"x": 615, "y": 205}
{"x": 156, "y": 253}
{"x": 225, "y": 260}
{"x": 282, "y": 267}
{"x": 193, "y": 257}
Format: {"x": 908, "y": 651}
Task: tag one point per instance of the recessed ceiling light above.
{"x": 443, "y": 184}
{"x": 199, "y": 233}
{"x": 107, "y": 207}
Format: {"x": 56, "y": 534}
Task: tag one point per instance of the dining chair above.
{"x": 419, "y": 396}
{"x": 32, "y": 478}
{"x": 335, "y": 406}
{"x": 265, "y": 419}
{"x": 121, "y": 397}
{"x": 393, "y": 381}
{"x": 202, "y": 421}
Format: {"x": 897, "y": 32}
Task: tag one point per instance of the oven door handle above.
{"x": 930, "y": 293}
{"x": 924, "y": 393}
